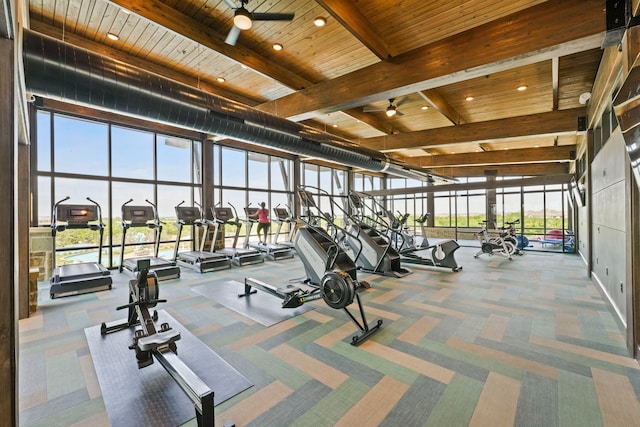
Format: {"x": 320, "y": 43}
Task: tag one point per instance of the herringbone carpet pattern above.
{"x": 523, "y": 343}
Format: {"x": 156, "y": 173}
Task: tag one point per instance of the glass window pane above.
{"x": 280, "y": 174}
{"x": 197, "y": 162}
{"x": 216, "y": 164}
{"x": 131, "y": 153}
{"x": 310, "y": 175}
{"x": 258, "y": 170}
{"x": 325, "y": 180}
{"x": 44, "y": 200}
{"x": 169, "y": 196}
{"x": 233, "y": 167}
{"x": 339, "y": 182}
{"x": 442, "y": 212}
{"x": 80, "y": 146}
{"x": 174, "y": 159}
{"x": 237, "y": 200}
{"x": 44, "y": 140}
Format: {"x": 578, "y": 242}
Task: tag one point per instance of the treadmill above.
{"x": 239, "y": 256}
{"x": 145, "y": 216}
{"x": 85, "y": 277}
{"x": 284, "y": 217}
{"x": 273, "y": 251}
{"x": 200, "y": 261}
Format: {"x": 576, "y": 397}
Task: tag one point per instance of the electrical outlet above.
{"x": 621, "y": 288}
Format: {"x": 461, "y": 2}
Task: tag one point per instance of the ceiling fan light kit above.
{"x": 243, "y": 19}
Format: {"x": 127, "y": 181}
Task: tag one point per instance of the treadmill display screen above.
{"x": 78, "y": 212}
{"x": 138, "y": 213}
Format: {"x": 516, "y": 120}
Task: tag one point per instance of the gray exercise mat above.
{"x": 149, "y": 396}
{"x": 261, "y": 307}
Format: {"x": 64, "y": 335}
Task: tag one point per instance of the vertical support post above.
{"x": 8, "y": 236}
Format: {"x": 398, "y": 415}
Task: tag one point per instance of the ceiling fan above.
{"x": 243, "y": 19}
{"x": 392, "y": 108}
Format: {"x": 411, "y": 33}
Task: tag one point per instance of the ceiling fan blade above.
{"x": 231, "y": 4}
{"x": 272, "y": 16}
{"x": 371, "y": 109}
{"x": 399, "y": 113}
{"x": 402, "y": 101}
{"x": 233, "y": 35}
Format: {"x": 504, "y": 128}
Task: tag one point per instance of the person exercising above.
{"x": 263, "y": 221}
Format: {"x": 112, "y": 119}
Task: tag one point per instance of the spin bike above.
{"x": 494, "y": 245}
{"x": 518, "y": 242}
{"x": 330, "y": 272}
{"x": 150, "y": 343}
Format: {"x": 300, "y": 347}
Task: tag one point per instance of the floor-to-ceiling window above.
{"x": 112, "y": 165}
{"x": 245, "y": 179}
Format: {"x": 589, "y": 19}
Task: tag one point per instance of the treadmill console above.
{"x": 76, "y": 215}
{"x": 188, "y": 214}
{"x": 282, "y": 213}
{"x": 138, "y": 215}
{"x": 250, "y": 211}
{"x": 223, "y": 214}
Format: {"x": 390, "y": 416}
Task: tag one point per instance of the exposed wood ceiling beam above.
{"x": 171, "y": 19}
{"x": 6, "y": 20}
{"x": 561, "y": 178}
{"x": 535, "y": 34}
{"x": 371, "y": 120}
{"x": 437, "y": 101}
{"x": 551, "y": 123}
{"x": 135, "y": 61}
{"x": 529, "y": 169}
{"x": 524, "y": 155}
{"x": 349, "y": 16}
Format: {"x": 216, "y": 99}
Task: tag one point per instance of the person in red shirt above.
{"x": 264, "y": 222}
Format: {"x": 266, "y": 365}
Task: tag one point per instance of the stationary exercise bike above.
{"x": 494, "y": 245}
{"x": 518, "y": 242}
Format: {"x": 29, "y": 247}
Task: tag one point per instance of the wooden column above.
{"x": 8, "y": 288}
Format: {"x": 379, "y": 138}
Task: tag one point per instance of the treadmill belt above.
{"x": 261, "y": 307}
{"x": 149, "y": 396}
{"x": 80, "y": 270}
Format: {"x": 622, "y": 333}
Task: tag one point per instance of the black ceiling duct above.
{"x": 54, "y": 69}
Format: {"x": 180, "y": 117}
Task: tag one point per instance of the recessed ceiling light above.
{"x": 319, "y": 21}
{"x": 221, "y": 79}
{"x": 113, "y": 36}
{"x": 469, "y": 98}
{"x": 335, "y": 125}
{"x": 424, "y": 107}
{"x": 277, "y": 46}
{"x": 522, "y": 88}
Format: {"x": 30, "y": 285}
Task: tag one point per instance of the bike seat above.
{"x": 158, "y": 339}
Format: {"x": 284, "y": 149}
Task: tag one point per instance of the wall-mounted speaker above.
{"x": 582, "y": 124}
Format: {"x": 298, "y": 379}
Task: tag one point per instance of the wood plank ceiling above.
{"x": 428, "y": 56}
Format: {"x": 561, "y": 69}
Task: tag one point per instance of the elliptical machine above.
{"x": 440, "y": 254}
{"x": 378, "y": 254}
